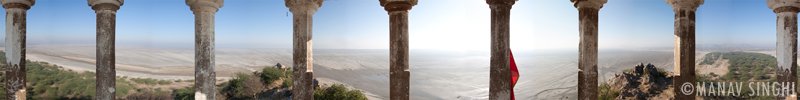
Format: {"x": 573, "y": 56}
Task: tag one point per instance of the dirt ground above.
{"x": 719, "y": 68}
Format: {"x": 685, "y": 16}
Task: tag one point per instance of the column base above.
{"x": 303, "y": 86}
{"x": 399, "y": 85}
{"x": 682, "y": 90}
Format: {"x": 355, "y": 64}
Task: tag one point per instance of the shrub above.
{"x": 237, "y": 83}
{"x": 184, "y": 93}
{"x": 164, "y": 82}
{"x": 628, "y": 70}
{"x": 270, "y": 74}
{"x": 123, "y": 90}
{"x": 339, "y": 92}
{"x": 288, "y": 82}
{"x": 40, "y": 89}
{"x": 150, "y": 95}
{"x": 605, "y": 92}
{"x": 289, "y": 72}
{"x": 146, "y": 81}
{"x": 52, "y": 93}
{"x": 252, "y": 87}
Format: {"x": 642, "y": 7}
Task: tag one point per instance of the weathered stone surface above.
{"x": 303, "y": 71}
{"x": 588, "y": 3}
{"x": 638, "y": 69}
{"x": 635, "y": 86}
{"x": 23, "y": 4}
{"x": 685, "y": 4}
{"x": 786, "y": 25}
{"x": 684, "y": 46}
{"x": 499, "y": 64}
{"x": 397, "y": 5}
{"x": 16, "y": 12}
{"x": 398, "y": 44}
{"x": 773, "y": 4}
{"x": 587, "y": 63}
{"x": 205, "y": 5}
{"x": 92, "y": 3}
{"x": 652, "y": 68}
{"x": 587, "y": 76}
{"x": 279, "y": 66}
{"x": 205, "y": 76}
{"x": 106, "y": 11}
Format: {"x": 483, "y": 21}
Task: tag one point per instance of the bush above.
{"x": 52, "y": 93}
{"x": 123, "y": 90}
{"x": 40, "y": 89}
{"x": 289, "y": 73}
{"x": 628, "y": 70}
{"x": 339, "y": 92}
{"x": 150, "y": 95}
{"x": 270, "y": 74}
{"x": 252, "y": 87}
{"x": 237, "y": 83}
{"x": 164, "y": 82}
{"x": 47, "y": 81}
{"x": 184, "y": 93}
{"x": 288, "y": 82}
{"x": 605, "y": 92}
{"x": 147, "y": 81}
{"x": 289, "y": 79}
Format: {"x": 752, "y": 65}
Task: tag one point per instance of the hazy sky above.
{"x": 433, "y": 24}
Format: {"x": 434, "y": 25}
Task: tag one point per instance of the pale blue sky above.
{"x": 434, "y": 24}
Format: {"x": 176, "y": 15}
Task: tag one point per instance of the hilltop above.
{"x": 639, "y": 83}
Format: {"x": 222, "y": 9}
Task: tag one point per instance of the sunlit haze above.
{"x": 434, "y": 24}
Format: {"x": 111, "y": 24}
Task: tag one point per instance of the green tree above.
{"x": 184, "y": 93}
{"x": 338, "y": 92}
{"x": 270, "y": 74}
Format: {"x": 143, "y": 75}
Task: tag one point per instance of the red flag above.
{"x": 514, "y": 74}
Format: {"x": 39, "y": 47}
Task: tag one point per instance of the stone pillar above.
{"x": 204, "y": 74}
{"x": 684, "y": 47}
{"x": 786, "y": 11}
{"x": 303, "y": 12}
{"x": 499, "y": 63}
{"x": 106, "y": 11}
{"x": 398, "y": 45}
{"x": 15, "y": 47}
{"x": 587, "y": 75}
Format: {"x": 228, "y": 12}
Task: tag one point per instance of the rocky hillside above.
{"x": 641, "y": 82}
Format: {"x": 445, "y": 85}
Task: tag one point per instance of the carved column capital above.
{"x": 205, "y": 5}
{"x": 684, "y": 4}
{"x": 22, "y": 4}
{"x": 501, "y": 2}
{"x": 397, "y": 5}
{"x": 589, "y": 3}
{"x": 98, "y": 5}
{"x": 303, "y": 6}
{"x": 779, "y": 6}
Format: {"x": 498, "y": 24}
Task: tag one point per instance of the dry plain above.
{"x": 435, "y": 74}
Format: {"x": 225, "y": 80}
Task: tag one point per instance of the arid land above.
{"x": 545, "y": 74}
